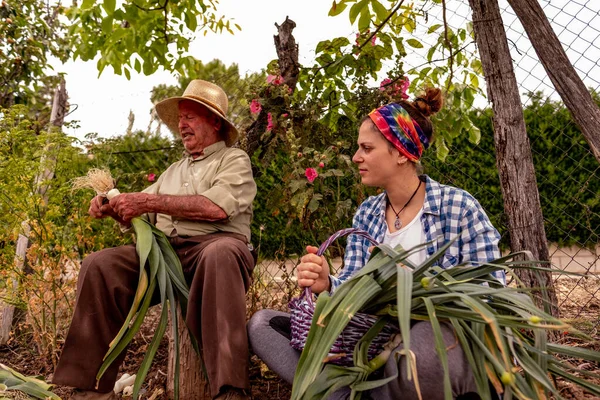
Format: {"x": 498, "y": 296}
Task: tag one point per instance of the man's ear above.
{"x": 218, "y": 124}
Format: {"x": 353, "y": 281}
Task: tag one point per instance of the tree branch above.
{"x": 383, "y": 23}
{"x": 448, "y": 44}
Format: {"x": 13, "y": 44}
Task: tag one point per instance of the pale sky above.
{"x": 103, "y": 104}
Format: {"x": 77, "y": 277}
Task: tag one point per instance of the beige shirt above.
{"x": 221, "y": 174}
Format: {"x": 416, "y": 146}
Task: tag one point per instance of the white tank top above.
{"x": 409, "y": 236}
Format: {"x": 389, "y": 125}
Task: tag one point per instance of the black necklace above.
{"x": 397, "y": 222}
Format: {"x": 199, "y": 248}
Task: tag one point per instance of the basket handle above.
{"x": 307, "y": 293}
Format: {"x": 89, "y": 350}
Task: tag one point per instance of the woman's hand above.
{"x": 313, "y": 271}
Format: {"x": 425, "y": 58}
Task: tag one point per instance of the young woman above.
{"x": 412, "y": 209}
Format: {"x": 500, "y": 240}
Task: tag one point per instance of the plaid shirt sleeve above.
{"x": 357, "y": 248}
{"x": 353, "y": 257}
{"x": 478, "y": 238}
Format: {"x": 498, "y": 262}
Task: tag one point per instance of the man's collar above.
{"x": 213, "y": 148}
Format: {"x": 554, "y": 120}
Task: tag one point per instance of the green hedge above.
{"x": 567, "y": 173}
{"x": 567, "y": 176}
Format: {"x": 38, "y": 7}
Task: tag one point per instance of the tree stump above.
{"x": 192, "y": 382}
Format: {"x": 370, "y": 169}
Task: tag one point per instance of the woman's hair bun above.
{"x": 429, "y": 102}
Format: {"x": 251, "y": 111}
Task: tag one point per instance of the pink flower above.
{"x": 396, "y": 88}
{"x": 384, "y": 83}
{"x": 284, "y": 115}
{"x": 311, "y": 174}
{"x": 275, "y": 79}
{"x": 151, "y": 177}
{"x": 373, "y": 39}
{"x": 255, "y": 107}
{"x": 321, "y": 164}
{"x": 269, "y": 122}
{"x": 404, "y": 84}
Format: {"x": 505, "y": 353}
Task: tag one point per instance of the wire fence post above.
{"x": 59, "y": 110}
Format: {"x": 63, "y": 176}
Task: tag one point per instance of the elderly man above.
{"x": 203, "y": 203}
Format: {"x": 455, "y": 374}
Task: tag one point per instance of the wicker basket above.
{"x": 302, "y": 310}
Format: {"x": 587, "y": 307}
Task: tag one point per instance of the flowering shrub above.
{"x": 395, "y": 89}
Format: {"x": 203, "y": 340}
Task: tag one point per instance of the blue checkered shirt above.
{"x": 447, "y": 212}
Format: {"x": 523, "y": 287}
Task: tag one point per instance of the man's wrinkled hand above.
{"x": 100, "y": 208}
{"x": 129, "y": 205}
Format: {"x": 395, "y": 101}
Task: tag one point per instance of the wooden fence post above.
{"x": 513, "y": 151}
{"x": 57, "y": 117}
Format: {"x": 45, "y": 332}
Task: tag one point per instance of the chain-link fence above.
{"x": 566, "y": 171}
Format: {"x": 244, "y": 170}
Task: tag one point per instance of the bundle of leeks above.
{"x": 501, "y": 331}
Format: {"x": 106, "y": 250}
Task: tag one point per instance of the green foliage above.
{"x": 62, "y": 232}
{"x": 55, "y": 218}
{"x": 23, "y": 155}
{"x": 292, "y": 210}
{"x": 142, "y": 36}
{"x": 566, "y": 172}
{"x": 31, "y": 32}
{"x": 18, "y": 385}
{"x": 384, "y": 34}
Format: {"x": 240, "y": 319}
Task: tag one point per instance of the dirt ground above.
{"x": 21, "y": 356}
{"x": 579, "y": 300}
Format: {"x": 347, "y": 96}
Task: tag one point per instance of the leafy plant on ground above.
{"x": 501, "y": 331}
{"x": 12, "y": 383}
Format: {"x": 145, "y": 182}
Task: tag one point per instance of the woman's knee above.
{"x": 259, "y": 321}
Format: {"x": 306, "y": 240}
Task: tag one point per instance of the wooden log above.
{"x": 513, "y": 151}
{"x": 192, "y": 381}
{"x": 287, "y": 54}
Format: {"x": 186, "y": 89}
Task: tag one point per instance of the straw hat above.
{"x": 206, "y": 93}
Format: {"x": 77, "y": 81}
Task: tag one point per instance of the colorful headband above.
{"x": 401, "y": 130}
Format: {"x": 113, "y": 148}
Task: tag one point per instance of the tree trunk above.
{"x": 59, "y": 110}
{"x": 571, "y": 88}
{"x": 287, "y": 53}
{"x": 192, "y": 381}
{"x": 513, "y": 152}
